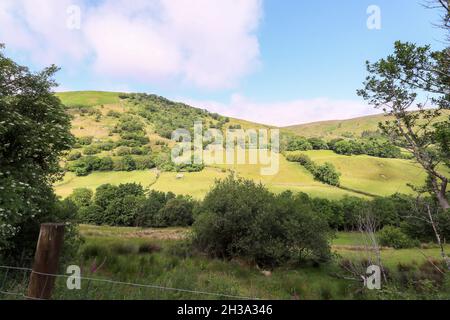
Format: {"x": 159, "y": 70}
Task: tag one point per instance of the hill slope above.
{"x": 341, "y": 128}
{"x": 101, "y": 115}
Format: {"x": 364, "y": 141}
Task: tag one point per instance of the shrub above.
{"x": 177, "y": 212}
{"x": 91, "y": 214}
{"x": 106, "y": 164}
{"x": 301, "y": 158}
{"x": 82, "y": 197}
{"x": 126, "y": 163}
{"x": 239, "y": 218}
{"x": 122, "y": 151}
{"x": 154, "y": 202}
{"x": 85, "y": 141}
{"x": 143, "y": 163}
{"x": 91, "y": 150}
{"x": 74, "y": 155}
{"x": 113, "y": 114}
{"x": 318, "y": 144}
{"x": 327, "y": 173}
{"x": 106, "y": 146}
{"x": 298, "y": 143}
{"x": 394, "y": 237}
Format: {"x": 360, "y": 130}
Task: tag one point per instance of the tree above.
{"x": 239, "y": 218}
{"x": 178, "y": 212}
{"x": 81, "y": 197}
{"x": 34, "y": 134}
{"x": 444, "y": 6}
{"x": 394, "y": 84}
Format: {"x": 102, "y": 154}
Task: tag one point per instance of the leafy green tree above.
{"x": 154, "y": 202}
{"x": 239, "y": 218}
{"x": 394, "y": 237}
{"x": 327, "y": 173}
{"x": 104, "y": 195}
{"x": 81, "y": 197}
{"x": 318, "y": 144}
{"x": 177, "y": 212}
{"x": 34, "y": 134}
{"x": 395, "y": 84}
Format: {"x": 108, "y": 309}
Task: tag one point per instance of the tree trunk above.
{"x": 443, "y": 201}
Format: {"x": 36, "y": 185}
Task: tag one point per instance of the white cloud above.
{"x": 38, "y": 28}
{"x": 284, "y": 113}
{"x": 209, "y": 44}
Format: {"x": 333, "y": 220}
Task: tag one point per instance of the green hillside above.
{"x": 341, "y": 128}
{"x": 100, "y": 115}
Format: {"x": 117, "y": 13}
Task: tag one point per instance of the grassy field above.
{"x": 362, "y": 173}
{"x": 88, "y": 98}
{"x": 157, "y": 257}
{"x": 291, "y": 176}
{"x": 373, "y": 175}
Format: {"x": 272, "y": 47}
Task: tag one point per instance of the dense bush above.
{"x": 327, "y": 173}
{"x": 91, "y": 150}
{"x": 394, "y": 237}
{"x": 81, "y": 197}
{"x": 298, "y": 144}
{"x": 176, "y": 212}
{"x": 372, "y": 147}
{"x": 74, "y": 155}
{"x": 113, "y": 114}
{"x": 127, "y": 205}
{"x": 122, "y": 151}
{"x": 88, "y": 164}
{"x": 241, "y": 219}
{"x": 85, "y": 141}
{"x": 125, "y": 163}
{"x": 143, "y": 163}
{"x": 318, "y": 144}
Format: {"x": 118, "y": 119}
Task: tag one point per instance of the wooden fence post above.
{"x": 46, "y": 260}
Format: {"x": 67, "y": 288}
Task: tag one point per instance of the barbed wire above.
{"x": 131, "y": 284}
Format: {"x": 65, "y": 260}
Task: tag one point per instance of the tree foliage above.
{"x": 395, "y": 84}
{"x": 34, "y": 134}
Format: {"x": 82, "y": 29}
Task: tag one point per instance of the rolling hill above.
{"x": 341, "y": 128}
{"x": 100, "y": 115}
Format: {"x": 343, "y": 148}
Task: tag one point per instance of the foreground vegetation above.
{"x": 158, "y": 257}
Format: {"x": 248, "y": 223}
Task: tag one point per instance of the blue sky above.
{"x": 276, "y": 62}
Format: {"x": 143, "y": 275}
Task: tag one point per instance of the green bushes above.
{"x": 298, "y": 144}
{"x": 127, "y": 205}
{"x": 176, "y": 212}
{"x": 325, "y": 173}
{"x": 74, "y": 155}
{"x": 394, "y": 237}
{"x": 318, "y": 144}
{"x": 239, "y": 218}
{"x": 91, "y": 150}
{"x": 88, "y": 164}
{"x": 131, "y": 131}
{"x": 372, "y": 147}
{"x": 122, "y": 151}
{"x": 85, "y": 141}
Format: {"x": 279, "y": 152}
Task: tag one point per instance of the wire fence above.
{"x": 15, "y": 280}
